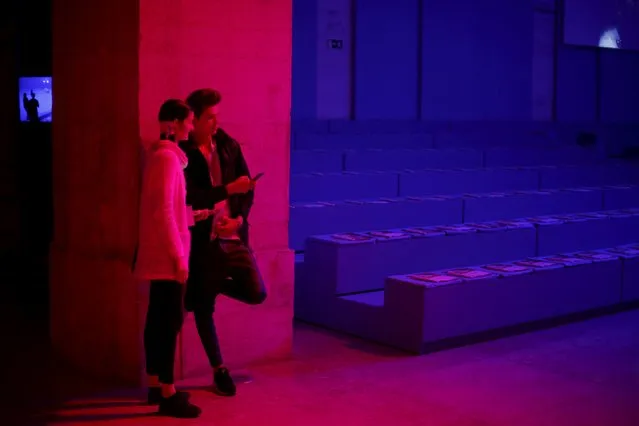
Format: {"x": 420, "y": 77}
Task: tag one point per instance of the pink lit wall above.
{"x": 94, "y": 300}
{"x": 115, "y": 62}
{"x": 248, "y": 59}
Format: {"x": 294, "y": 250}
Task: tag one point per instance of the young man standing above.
{"x": 221, "y": 261}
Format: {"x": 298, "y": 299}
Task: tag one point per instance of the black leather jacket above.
{"x": 200, "y": 192}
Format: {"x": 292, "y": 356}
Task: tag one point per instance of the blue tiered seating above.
{"x": 317, "y": 161}
{"x": 318, "y": 186}
{"x": 415, "y": 159}
{"x": 352, "y": 268}
{"x": 366, "y": 159}
{"x": 317, "y": 218}
{"x": 441, "y": 208}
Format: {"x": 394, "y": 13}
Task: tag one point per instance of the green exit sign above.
{"x": 336, "y": 44}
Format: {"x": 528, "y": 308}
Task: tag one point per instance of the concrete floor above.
{"x": 582, "y": 374}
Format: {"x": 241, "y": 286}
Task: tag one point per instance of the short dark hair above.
{"x": 201, "y": 99}
{"x": 174, "y": 109}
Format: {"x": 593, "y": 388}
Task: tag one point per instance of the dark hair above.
{"x": 173, "y": 109}
{"x": 202, "y": 99}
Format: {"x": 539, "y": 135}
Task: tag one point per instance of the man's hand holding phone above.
{"x": 243, "y": 184}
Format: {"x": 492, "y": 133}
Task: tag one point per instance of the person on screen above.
{"x": 162, "y": 257}
{"x": 221, "y": 261}
{"x": 31, "y": 107}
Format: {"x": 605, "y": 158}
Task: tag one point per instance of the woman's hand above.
{"x": 199, "y": 215}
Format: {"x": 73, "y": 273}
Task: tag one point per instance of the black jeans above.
{"x": 164, "y": 319}
{"x": 220, "y": 267}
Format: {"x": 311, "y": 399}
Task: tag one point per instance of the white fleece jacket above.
{"x": 164, "y": 238}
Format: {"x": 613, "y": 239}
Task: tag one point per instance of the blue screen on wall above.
{"x": 612, "y": 24}
{"x": 35, "y": 98}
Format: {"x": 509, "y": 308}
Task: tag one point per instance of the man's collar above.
{"x": 220, "y": 137}
{"x": 191, "y": 143}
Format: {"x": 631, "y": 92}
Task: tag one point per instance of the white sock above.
{"x": 168, "y": 390}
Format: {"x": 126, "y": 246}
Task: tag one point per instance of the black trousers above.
{"x": 220, "y": 267}
{"x": 164, "y": 319}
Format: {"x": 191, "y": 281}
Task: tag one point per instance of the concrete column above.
{"x": 114, "y": 63}
{"x": 9, "y": 194}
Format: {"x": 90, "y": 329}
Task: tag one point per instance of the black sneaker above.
{"x": 178, "y": 406}
{"x": 223, "y": 382}
{"x": 154, "y": 395}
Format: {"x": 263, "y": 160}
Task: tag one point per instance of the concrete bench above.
{"x": 317, "y": 161}
{"x": 321, "y": 159}
{"x": 428, "y": 307}
{"x": 331, "y": 186}
{"x": 362, "y": 141}
{"x": 340, "y": 185}
{"x": 317, "y": 218}
{"x": 512, "y": 156}
{"x": 349, "y": 263}
{"x": 399, "y": 159}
